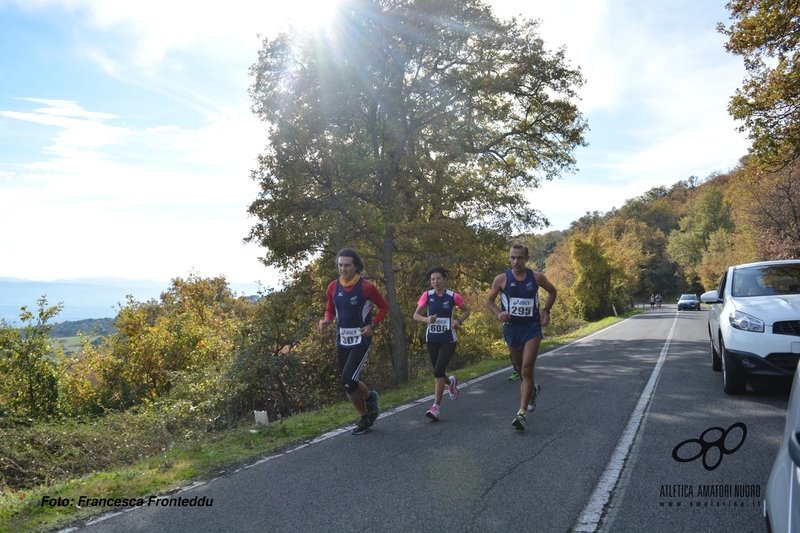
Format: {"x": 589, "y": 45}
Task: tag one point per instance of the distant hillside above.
{"x": 84, "y": 297}
{"x": 88, "y": 326}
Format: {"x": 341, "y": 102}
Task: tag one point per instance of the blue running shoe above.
{"x": 364, "y": 423}
{"x": 372, "y": 406}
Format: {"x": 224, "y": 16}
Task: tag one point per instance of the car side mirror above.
{"x": 710, "y": 297}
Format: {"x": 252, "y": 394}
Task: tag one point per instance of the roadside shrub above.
{"x": 29, "y": 365}
{"x": 482, "y": 334}
{"x": 32, "y": 455}
{"x": 562, "y": 325}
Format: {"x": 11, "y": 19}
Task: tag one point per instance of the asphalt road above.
{"x": 597, "y": 454}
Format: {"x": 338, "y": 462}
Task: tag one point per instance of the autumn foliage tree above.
{"x": 404, "y": 128}
{"x": 707, "y": 214}
{"x": 766, "y": 33}
{"x": 769, "y": 206}
{"x": 592, "y": 287}
{"x": 159, "y": 343}
{"x": 624, "y": 242}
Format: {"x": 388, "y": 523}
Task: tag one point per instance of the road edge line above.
{"x": 592, "y": 513}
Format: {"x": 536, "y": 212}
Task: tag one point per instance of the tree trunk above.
{"x": 396, "y": 315}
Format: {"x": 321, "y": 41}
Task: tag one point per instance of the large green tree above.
{"x": 408, "y": 129}
{"x": 766, "y": 34}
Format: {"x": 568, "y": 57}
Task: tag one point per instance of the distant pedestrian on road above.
{"x": 522, "y": 320}
{"x": 350, "y": 301}
{"x": 658, "y": 300}
{"x": 652, "y": 302}
{"x": 440, "y": 335}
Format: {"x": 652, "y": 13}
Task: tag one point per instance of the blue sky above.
{"x": 126, "y": 137}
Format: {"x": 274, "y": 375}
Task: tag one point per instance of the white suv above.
{"x": 754, "y": 322}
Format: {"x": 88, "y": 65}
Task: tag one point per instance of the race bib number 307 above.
{"x": 349, "y": 336}
{"x": 521, "y": 307}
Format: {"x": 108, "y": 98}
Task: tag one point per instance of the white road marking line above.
{"x": 589, "y": 520}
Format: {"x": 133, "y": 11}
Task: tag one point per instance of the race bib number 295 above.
{"x": 521, "y": 307}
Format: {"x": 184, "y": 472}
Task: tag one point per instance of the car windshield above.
{"x": 766, "y": 280}
{"x": 688, "y": 297}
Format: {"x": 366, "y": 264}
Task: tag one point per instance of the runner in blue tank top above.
{"x": 350, "y": 300}
{"x": 522, "y": 321}
{"x": 521, "y": 298}
{"x": 440, "y": 334}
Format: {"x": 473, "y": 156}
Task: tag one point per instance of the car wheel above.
{"x": 716, "y": 362}
{"x": 732, "y": 383}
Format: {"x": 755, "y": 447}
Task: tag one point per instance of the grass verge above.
{"x": 49, "y": 507}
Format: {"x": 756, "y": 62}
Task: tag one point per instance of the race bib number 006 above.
{"x": 442, "y": 325}
{"x": 521, "y": 307}
{"x": 349, "y": 336}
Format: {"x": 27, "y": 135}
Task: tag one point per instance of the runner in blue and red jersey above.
{"x": 350, "y": 301}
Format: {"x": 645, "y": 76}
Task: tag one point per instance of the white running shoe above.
{"x": 433, "y": 412}
{"x": 452, "y": 389}
{"x": 519, "y": 421}
{"x": 534, "y": 397}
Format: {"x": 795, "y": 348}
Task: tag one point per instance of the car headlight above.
{"x": 745, "y": 322}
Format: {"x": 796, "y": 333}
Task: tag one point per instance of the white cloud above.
{"x": 86, "y": 238}
{"x": 158, "y": 198}
{"x": 226, "y": 145}
{"x": 232, "y": 136}
{"x": 658, "y": 83}
{"x": 65, "y": 108}
{"x": 109, "y": 208}
{"x": 76, "y": 140}
{"x": 151, "y": 29}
